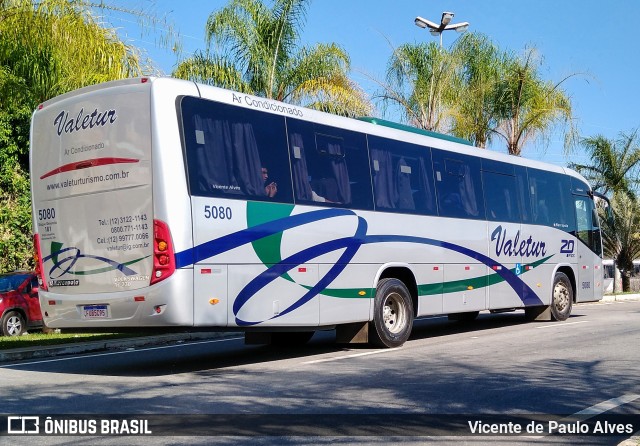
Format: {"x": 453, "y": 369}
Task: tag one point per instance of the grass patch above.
{"x": 38, "y": 339}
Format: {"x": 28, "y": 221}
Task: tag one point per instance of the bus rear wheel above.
{"x": 392, "y": 314}
{"x": 561, "y": 298}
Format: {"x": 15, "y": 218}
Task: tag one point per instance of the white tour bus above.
{"x": 160, "y": 202}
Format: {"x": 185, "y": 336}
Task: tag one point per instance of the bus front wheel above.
{"x": 392, "y": 314}
{"x": 561, "y": 298}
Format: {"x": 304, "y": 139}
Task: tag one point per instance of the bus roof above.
{"x": 408, "y": 128}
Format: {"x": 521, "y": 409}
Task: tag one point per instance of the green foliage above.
{"x": 614, "y": 163}
{"x": 621, "y": 238}
{"x": 421, "y": 80}
{"x": 47, "y": 47}
{"x": 37, "y": 339}
{"x": 476, "y": 91}
{"x": 613, "y": 171}
{"x": 256, "y": 49}
{"x": 528, "y": 106}
{"x": 15, "y": 205}
{"x": 482, "y": 67}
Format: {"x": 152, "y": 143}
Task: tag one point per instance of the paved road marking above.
{"x": 597, "y": 409}
{"x": 355, "y": 355}
{"x": 608, "y": 405}
{"x": 563, "y": 324}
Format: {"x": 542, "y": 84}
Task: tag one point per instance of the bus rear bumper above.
{"x": 167, "y": 303}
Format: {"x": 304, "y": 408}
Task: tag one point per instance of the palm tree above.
{"x": 47, "y": 47}
{"x": 614, "y": 164}
{"x": 255, "y": 49}
{"x": 614, "y": 171}
{"x": 54, "y": 46}
{"x": 621, "y": 238}
{"x": 530, "y": 107}
{"x": 421, "y": 79}
{"x": 482, "y": 66}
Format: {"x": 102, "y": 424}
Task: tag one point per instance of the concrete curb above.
{"x": 27, "y": 353}
{"x": 620, "y": 297}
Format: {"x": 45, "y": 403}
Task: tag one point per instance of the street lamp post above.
{"x": 445, "y": 25}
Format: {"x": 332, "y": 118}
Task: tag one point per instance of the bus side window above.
{"x": 500, "y": 197}
{"x": 550, "y": 198}
{"x": 235, "y": 153}
{"x": 458, "y": 185}
{"x": 587, "y": 228}
{"x": 402, "y": 176}
{"x": 329, "y": 165}
{"x": 522, "y": 184}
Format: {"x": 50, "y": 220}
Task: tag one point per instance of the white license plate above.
{"x": 95, "y": 312}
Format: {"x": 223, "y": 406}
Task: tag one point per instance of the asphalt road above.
{"x": 487, "y": 371}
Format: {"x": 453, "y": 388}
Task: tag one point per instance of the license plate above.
{"x": 95, "y": 312}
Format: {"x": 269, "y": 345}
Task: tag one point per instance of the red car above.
{"x": 19, "y": 304}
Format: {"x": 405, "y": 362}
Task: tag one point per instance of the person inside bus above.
{"x": 270, "y": 187}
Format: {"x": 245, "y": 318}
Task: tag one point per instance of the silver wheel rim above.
{"x": 561, "y": 297}
{"x": 394, "y": 313}
{"x": 14, "y": 325}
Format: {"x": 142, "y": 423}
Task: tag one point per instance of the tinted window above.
{"x": 500, "y": 197}
{"x": 402, "y": 176}
{"x": 329, "y": 165}
{"x": 458, "y": 185}
{"x": 588, "y": 229}
{"x": 579, "y": 187}
{"x": 522, "y": 183}
{"x": 233, "y": 152}
{"x": 551, "y": 200}
{"x": 11, "y": 283}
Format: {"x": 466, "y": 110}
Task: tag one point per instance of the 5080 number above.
{"x": 218, "y": 212}
{"x": 47, "y": 214}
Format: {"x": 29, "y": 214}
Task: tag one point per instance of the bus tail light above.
{"x": 39, "y": 266}
{"x": 164, "y": 262}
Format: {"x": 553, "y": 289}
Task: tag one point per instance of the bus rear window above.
{"x": 233, "y": 152}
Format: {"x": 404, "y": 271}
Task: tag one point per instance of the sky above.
{"x": 593, "y": 41}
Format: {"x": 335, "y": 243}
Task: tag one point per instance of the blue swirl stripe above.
{"x": 75, "y": 255}
{"x": 351, "y": 245}
{"x": 524, "y": 292}
{"x": 231, "y": 241}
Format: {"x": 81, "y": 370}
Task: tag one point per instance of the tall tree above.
{"x": 421, "y": 80}
{"x": 613, "y": 170}
{"x": 55, "y": 46}
{"x": 256, "y": 49}
{"x": 621, "y": 238}
{"x": 47, "y": 47}
{"x": 482, "y": 67}
{"x": 614, "y": 165}
{"x": 530, "y": 107}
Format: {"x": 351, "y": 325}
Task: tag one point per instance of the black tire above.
{"x": 291, "y": 338}
{"x": 13, "y": 324}
{"x": 561, "y": 297}
{"x": 392, "y": 314}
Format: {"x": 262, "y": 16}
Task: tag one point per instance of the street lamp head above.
{"x": 464, "y": 26}
{"x": 420, "y": 22}
{"x": 446, "y": 18}
{"x": 424, "y": 23}
{"x": 445, "y": 25}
